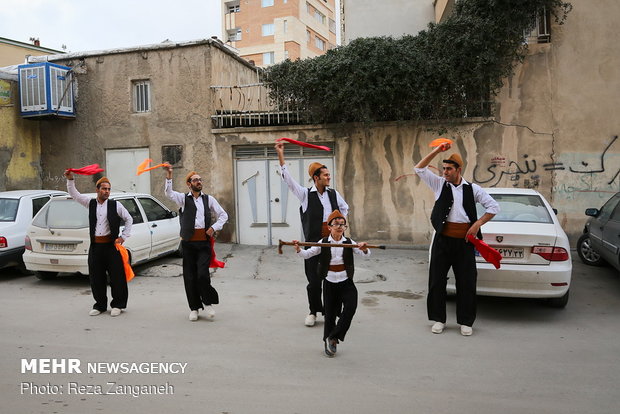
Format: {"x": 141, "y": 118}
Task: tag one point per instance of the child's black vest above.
{"x": 188, "y": 216}
{"x": 312, "y": 218}
{"x": 113, "y": 218}
{"x": 325, "y": 258}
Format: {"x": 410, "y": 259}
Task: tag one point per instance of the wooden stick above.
{"x": 283, "y": 243}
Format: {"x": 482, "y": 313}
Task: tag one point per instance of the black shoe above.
{"x": 331, "y": 345}
{"x": 327, "y": 350}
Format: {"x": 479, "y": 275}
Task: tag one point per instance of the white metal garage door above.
{"x": 266, "y": 209}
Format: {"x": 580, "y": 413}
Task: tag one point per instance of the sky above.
{"x": 84, "y": 25}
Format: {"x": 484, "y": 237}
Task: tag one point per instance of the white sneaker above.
{"x": 94, "y": 312}
{"x": 310, "y": 320}
{"x": 466, "y": 330}
{"x": 193, "y": 315}
{"x": 438, "y": 327}
{"x": 210, "y": 312}
{"x": 115, "y": 312}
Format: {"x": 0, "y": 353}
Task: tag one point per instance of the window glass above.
{"x": 38, "y": 203}
{"x": 8, "y": 209}
{"x": 525, "y": 208}
{"x": 153, "y": 210}
{"x": 266, "y": 3}
{"x": 609, "y": 207}
{"x": 268, "y": 58}
{"x": 62, "y": 214}
{"x": 268, "y": 29}
{"x": 132, "y": 208}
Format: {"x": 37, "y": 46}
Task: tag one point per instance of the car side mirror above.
{"x": 592, "y": 212}
{"x": 555, "y": 210}
{"x": 171, "y": 214}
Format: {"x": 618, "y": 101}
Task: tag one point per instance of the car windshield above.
{"x": 8, "y": 209}
{"x": 62, "y": 214}
{"x": 528, "y": 208}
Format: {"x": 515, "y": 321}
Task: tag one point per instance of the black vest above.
{"x": 188, "y": 216}
{"x": 325, "y": 258}
{"x": 312, "y": 218}
{"x": 443, "y": 205}
{"x": 114, "y": 220}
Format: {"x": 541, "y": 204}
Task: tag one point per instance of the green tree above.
{"x": 450, "y": 70}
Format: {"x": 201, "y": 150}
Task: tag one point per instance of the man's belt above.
{"x": 456, "y": 230}
{"x": 337, "y": 268}
{"x": 199, "y": 235}
{"x": 104, "y": 239}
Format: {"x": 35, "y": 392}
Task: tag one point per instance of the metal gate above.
{"x": 266, "y": 209}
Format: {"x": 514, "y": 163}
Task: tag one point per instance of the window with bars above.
{"x": 142, "y": 96}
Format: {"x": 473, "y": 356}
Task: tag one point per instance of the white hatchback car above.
{"x": 536, "y": 260}
{"x": 17, "y": 208}
{"x": 58, "y": 238}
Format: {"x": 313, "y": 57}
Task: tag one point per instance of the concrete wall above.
{"x": 20, "y": 152}
{"x": 375, "y": 169}
{"x": 564, "y": 100}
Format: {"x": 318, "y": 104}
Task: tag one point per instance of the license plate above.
{"x": 52, "y": 247}
{"x": 511, "y": 252}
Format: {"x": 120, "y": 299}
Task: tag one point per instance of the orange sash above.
{"x": 125, "y": 256}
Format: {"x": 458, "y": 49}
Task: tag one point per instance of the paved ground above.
{"x": 258, "y": 357}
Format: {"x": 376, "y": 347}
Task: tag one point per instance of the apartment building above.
{"x": 368, "y": 18}
{"x": 270, "y": 31}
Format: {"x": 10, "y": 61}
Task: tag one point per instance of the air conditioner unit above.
{"x": 46, "y": 90}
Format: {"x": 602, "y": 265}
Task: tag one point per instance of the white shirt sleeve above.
{"x": 124, "y": 214}
{"x": 178, "y": 198}
{"x": 300, "y": 192}
{"x": 431, "y": 179}
{"x": 343, "y": 207}
{"x": 490, "y": 205}
{"x": 218, "y": 211}
{"x": 75, "y": 194}
{"x": 306, "y": 254}
{"x": 358, "y": 251}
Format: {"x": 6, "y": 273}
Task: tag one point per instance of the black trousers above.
{"x": 340, "y": 302}
{"x": 196, "y": 276}
{"x": 104, "y": 260}
{"x": 311, "y": 267}
{"x": 449, "y": 252}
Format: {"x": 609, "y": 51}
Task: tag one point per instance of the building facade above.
{"x": 270, "y": 31}
{"x": 13, "y": 52}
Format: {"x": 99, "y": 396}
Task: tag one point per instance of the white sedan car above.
{"x": 58, "y": 238}
{"x": 536, "y": 262}
{"x": 17, "y": 208}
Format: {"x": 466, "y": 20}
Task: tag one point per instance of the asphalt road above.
{"x": 256, "y": 356}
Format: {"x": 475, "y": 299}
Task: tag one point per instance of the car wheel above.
{"x": 559, "y": 302}
{"x": 45, "y": 275}
{"x": 586, "y": 253}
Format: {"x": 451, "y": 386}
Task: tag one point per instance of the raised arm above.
{"x": 427, "y": 160}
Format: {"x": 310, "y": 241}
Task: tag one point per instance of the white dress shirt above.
{"x": 102, "y": 227}
{"x": 457, "y": 212}
{"x": 302, "y": 194}
{"x": 337, "y": 259}
{"x": 214, "y": 206}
